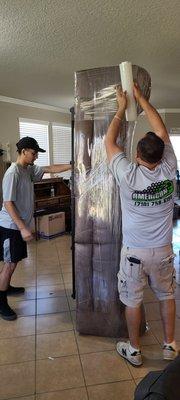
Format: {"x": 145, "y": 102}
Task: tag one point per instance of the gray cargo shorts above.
{"x": 139, "y": 266}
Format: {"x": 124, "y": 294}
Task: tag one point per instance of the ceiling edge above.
{"x": 27, "y": 103}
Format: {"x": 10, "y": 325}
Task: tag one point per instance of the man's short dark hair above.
{"x": 150, "y": 148}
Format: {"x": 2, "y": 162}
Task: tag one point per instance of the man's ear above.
{"x": 138, "y": 159}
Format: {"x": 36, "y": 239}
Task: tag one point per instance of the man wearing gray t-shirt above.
{"x": 147, "y": 194}
{"x": 17, "y": 213}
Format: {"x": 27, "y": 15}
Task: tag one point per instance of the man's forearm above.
{"x": 12, "y": 211}
{"x": 115, "y": 127}
{"x": 113, "y": 131}
{"x": 57, "y": 168}
{"x": 154, "y": 119}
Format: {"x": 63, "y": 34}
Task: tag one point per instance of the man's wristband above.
{"x": 116, "y": 116}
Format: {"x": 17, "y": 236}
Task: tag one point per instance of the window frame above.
{"x": 171, "y": 134}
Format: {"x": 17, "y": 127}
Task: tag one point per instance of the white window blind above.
{"x": 61, "y": 143}
{"x": 39, "y": 131}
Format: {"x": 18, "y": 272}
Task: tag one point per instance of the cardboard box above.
{"x": 51, "y": 225}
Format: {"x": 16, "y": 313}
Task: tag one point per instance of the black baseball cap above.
{"x": 29, "y": 143}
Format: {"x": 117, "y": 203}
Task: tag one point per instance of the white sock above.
{"x": 172, "y": 344}
{"x": 132, "y": 349}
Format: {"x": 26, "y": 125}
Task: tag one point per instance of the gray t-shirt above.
{"x": 147, "y": 198}
{"x": 18, "y": 187}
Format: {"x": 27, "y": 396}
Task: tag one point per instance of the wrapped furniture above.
{"x": 97, "y": 202}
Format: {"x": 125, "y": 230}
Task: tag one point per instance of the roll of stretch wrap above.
{"x": 127, "y": 84}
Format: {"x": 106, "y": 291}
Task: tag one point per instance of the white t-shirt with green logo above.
{"x": 147, "y": 199}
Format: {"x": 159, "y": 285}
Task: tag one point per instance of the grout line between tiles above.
{"x": 77, "y": 344}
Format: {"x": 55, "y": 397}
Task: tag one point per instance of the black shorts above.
{"x": 12, "y": 247}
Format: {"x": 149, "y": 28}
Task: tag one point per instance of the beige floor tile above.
{"x": 52, "y": 305}
{"x": 17, "y": 380}
{"x": 66, "y": 268}
{"x": 67, "y": 277}
{"x": 64, "y": 251}
{"x": 72, "y": 303}
{"x": 49, "y": 256}
{"x": 58, "y": 374}
{"x": 24, "y": 398}
{"x": 29, "y": 294}
{"x": 152, "y": 360}
{"x": 73, "y": 316}
{"x": 148, "y": 338}
{"x": 56, "y": 345}
{"x": 17, "y": 350}
{"x": 54, "y": 323}
{"x": 50, "y": 291}
{"x": 177, "y": 292}
{"x": 28, "y": 263}
{"x": 152, "y": 312}
{"x": 49, "y": 279}
{"x": 26, "y": 271}
{"x": 112, "y": 391}
{"x": 23, "y": 326}
{"x": 68, "y": 394}
{"x": 104, "y": 367}
{"x": 93, "y": 344}
{"x": 48, "y": 269}
{"x": 23, "y": 280}
{"x": 157, "y": 330}
{"x": 65, "y": 258}
{"x": 46, "y": 247}
{"x": 178, "y": 308}
{"x": 24, "y": 307}
{"x": 149, "y": 296}
{"x": 138, "y": 380}
{"x": 68, "y": 287}
{"x": 177, "y": 329}
{"x": 48, "y": 261}
{"x": 66, "y": 238}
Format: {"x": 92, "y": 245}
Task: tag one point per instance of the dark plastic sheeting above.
{"x": 97, "y": 203}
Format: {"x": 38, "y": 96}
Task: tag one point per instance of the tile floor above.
{"x": 42, "y": 356}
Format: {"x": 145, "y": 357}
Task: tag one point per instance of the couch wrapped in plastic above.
{"x": 97, "y": 203}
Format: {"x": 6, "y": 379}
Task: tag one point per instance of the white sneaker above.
{"x": 169, "y": 353}
{"x": 134, "y": 358}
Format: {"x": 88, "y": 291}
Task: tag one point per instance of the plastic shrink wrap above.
{"x": 97, "y": 202}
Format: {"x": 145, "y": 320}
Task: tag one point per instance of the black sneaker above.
{"x": 13, "y": 291}
{"x": 7, "y": 313}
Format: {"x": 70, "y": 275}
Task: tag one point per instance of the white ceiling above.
{"x": 42, "y": 43}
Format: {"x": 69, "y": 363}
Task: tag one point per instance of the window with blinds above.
{"x": 175, "y": 140}
{"x": 61, "y": 146}
{"x": 52, "y": 137}
{"x": 39, "y": 131}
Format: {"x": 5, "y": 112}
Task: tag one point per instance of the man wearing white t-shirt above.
{"x": 147, "y": 193}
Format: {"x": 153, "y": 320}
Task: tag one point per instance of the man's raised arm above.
{"x": 152, "y": 115}
{"x": 114, "y": 129}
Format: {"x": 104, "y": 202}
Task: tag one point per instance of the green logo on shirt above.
{"x": 156, "y": 194}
